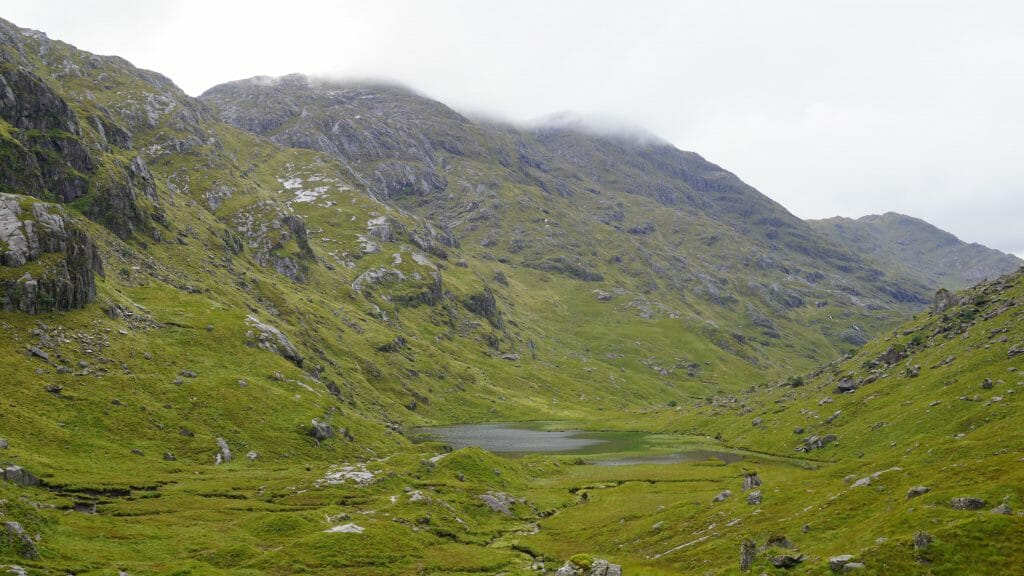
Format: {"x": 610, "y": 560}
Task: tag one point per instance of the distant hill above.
{"x": 933, "y": 256}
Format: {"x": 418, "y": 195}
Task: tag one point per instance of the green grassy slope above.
{"x": 530, "y": 291}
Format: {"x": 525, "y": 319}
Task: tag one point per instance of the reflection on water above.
{"x": 514, "y": 439}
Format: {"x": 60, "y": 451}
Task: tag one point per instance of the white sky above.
{"x": 829, "y": 107}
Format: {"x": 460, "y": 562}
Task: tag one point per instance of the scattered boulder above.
{"x": 917, "y": 491}
{"x": 585, "y": 566}
{"x": 754, "y": 498}
{"x": 169, "y": 456}
{"x": 4, "y": 444}
{"x": 500, "y": 501}
{"x": 269, "y": 338}
{"x": 15, "y": 536}
{"x": 986, "y": 384}
{"x": 20, "y": 476}
{"x": 748, "y": 551}
{"x": 786, "y": 561}
{"x": 1003, "y": 508}
{"x": 751, "y": 480}
{"x": 722, "y": 496}
{"x": 33, "y": 351}
{"x": 816, "y": 442}
{"x": 346, "y": 529}
{"x": 846, "y": 385}
{"x": 966, "y": 503}
{"x": 224, "y": 455}
{"x": 893, "y": 355}
{"x": 756, "y": 421}
{"x": 320, "y": 431}
{"x": 252, "y": 455}
{"x": 837, "y": 563}
{"x": 922, "y": 540}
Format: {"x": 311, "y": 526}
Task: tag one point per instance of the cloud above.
{"x": 832, "y": 107}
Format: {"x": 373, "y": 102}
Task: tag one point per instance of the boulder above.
{"x": 917, "y": 491}
{"x": 922, "y": 540}
{"x": 748, "y": 551}
{"x": 837, "y": 563}
{"x": 269, "y": 338}
{"x": 224, "y": 455}
{"x": 786, "y": 561}
{"x": 754, "y": 498}
{"x": 966, "y": 503}
{"x": 20, "y": 476}
{"x": 816, "y": 442}
{"x": 1003, "y": 508}
{"x": 847, "y": 385}
{"x": 500, "y": 502}
{"x": 722, "y": 496}
{"x": 320, "y": 431}
{"x": 14, "y": 535}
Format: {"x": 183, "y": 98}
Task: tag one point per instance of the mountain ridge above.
{"x": 276, "y": 311}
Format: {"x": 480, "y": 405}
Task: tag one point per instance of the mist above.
{"x": 831, "y": 108}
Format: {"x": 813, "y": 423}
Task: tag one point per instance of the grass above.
{"x": 598, "y": 365}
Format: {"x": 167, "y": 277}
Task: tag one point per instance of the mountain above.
{"x": 935, "y": 257}
{"x": 223, "y": 317}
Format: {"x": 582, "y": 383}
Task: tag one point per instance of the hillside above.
{"x": 933, "y": 256}
{"x": 222, "y": 317}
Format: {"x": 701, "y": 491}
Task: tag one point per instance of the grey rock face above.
{"x": 754, "y": 498}
{"x": 51, "y": 162}
{"x": 751, "y": 480}
{"x": 922, "y": 540}
{"x": 269, "y": 338}
{"x": 28, "y": 236}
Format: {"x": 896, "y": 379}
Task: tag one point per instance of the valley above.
{"x": 305, "y": 326}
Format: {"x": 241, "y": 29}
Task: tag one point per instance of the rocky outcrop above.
{"x": 483, "y": 304}
{"x": 118, "y": 191}
{"x": 585, "y": 566}
{"x": 967, "y": 503}
{"x": 20, "y": 476}
{"x": 944, "y": 300}
{"x": 269, "y": 338}
{"x": 44, "y": 155}
{"x": 13, "y": 536}
{"x": 46, "y": 262}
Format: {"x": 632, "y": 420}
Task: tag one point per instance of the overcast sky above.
{"x": 829, "y": 107}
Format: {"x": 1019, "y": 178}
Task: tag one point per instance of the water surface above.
{"x": 604, "y": 448}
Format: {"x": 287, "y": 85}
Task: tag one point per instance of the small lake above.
{"x": 605, "y": 448}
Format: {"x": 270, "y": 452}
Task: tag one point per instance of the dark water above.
{"x": 616, "y": 448}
